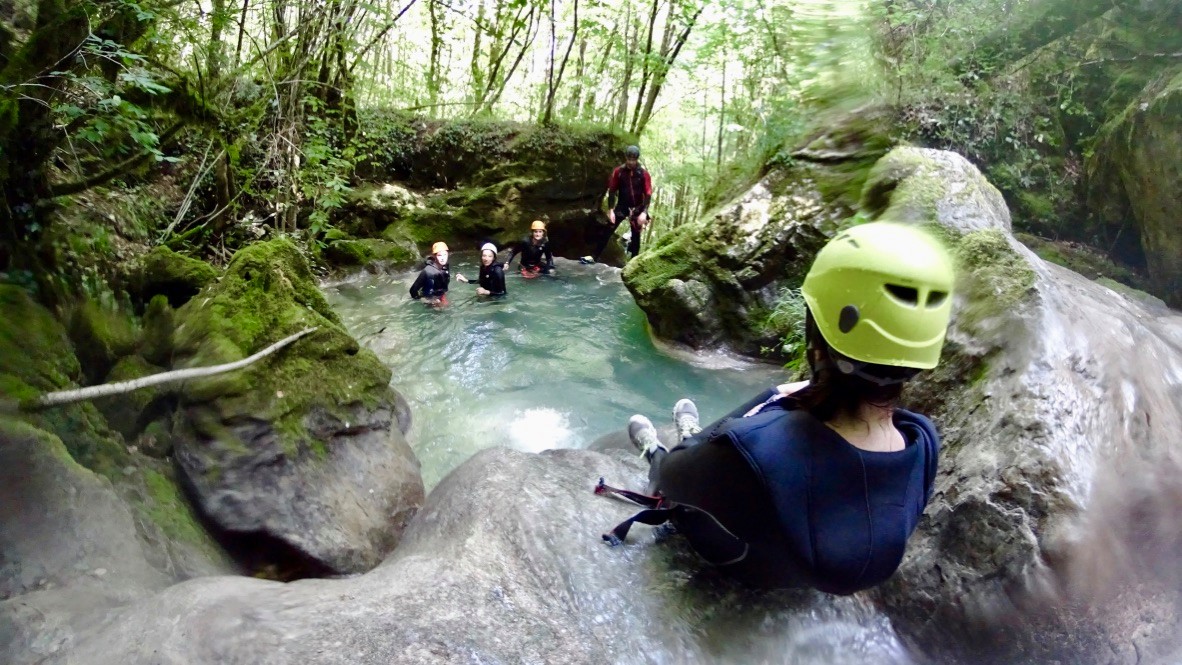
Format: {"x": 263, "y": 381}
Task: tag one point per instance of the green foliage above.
{"x": 786, "y": 322}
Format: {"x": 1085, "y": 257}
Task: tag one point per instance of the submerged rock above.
{"x": 303, "y": 450}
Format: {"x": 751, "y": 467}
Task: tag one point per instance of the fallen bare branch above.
{"x": 107, "y": 389}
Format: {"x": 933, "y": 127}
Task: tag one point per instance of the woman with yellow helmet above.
{"x": 433, "y": 279}
{"x": 536, "y": 257}
{"x": 820, "y": 483}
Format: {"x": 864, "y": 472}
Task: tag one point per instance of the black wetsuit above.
{"x": 432, "y": 281}
{"x": 781, "y": 500}
{"x": 492, "y": 279}
{"x": 534, "y": 257}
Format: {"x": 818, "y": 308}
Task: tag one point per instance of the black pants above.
{"x": 633, "y": 242}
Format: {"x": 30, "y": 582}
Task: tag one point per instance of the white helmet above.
{"x": 489, "y": 246}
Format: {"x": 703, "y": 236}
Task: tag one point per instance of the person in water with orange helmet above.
{"x": 535, "y": 252}
{"x": 431, "y": 284}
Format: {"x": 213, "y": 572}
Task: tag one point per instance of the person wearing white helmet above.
{"x": 820, "y": 483}
{"x": 432, "y": 282}
{"x": 492, "y": 274}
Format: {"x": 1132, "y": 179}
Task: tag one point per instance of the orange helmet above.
{"x": 438, "y": 247}
{"x": 538, "y": 225}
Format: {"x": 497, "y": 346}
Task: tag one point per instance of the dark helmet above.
{"x": 632, "y": 151}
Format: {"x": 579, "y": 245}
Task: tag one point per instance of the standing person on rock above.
{"x": 818, "y": 483}
{"x": 492, "y": 275}
{"x": 431, "y": 284}
{"x": 629, "y": 191}
{"x": 536, "y": 257}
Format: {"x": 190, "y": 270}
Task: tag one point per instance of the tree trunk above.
{"x": 663, "y": 71}
{"x": 630, "y": 36}
{"x": 646, "y": 64}
{"x": 555, "y": 81}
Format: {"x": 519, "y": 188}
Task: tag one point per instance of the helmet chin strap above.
{"x": 833, "y": 360}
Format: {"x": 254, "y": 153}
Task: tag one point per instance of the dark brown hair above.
{"x": 831, "y": 392}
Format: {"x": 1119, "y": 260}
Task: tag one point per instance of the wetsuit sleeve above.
{"x": 548, "y": 256}
{"x": 931, "y": 451}
{"x": 513, "y": 253}
{"x": 421, "y": 282}
{"x": 497, "y": 281}
{"x": 613, "y": 188}
{"x": 648, "y": 191}
{"x": 726, "y": 494}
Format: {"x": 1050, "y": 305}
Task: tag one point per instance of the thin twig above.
{"x": 91, "y": 392}
{"x": 184, "y": 209}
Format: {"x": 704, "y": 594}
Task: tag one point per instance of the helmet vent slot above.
{"x": 904, "y": 294}
{"x": 936, "y": 298}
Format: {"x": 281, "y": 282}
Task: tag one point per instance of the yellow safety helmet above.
{"x": 538, "y": 225}
{"x": 881, "y": 293}
{"x": 438, "y": 247}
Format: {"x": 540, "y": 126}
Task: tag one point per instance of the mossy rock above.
{"x": 371, "y": 208}
{"x": 300, "y": 448}
{"x": 36, "y": 355}
{"x": 129, "y": 412}
{"x": 175, "y": 276}
{"x": 267, "y": 293}
{"x": 101, "y": 335}
{"x": 1136, "y": 163}
{"x": 159, "y": 324}
{"x": 1085, "y": 260}
{"x": 370, "y": 253}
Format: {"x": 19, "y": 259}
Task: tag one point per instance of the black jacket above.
{"x": 432, "y": 281}
{"x": 533, "y": 255}
{"x": 493, "y": 278}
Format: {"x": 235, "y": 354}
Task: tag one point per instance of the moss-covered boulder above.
{"x": 371, "y": 207}
{"x": 1134, "y": 174}
{"x": 75, "y": 544}
{"x": 157, "y": 327}
{"x": 50, "y": 455}
{"x": 102, "y": 334}
{"x": 369, "y": 253}
{"x": 175, "y": 276}
{"x": 301, "y": 449}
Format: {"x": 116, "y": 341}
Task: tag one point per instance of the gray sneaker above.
{"x": 644, "y": 436}
{"x": 685, "y": 419}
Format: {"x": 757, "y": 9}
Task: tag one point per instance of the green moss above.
{"x": 267, "y": 293}
{"x": 123, "y": 412}
{"x": 347, "y": 253}
{"x": 675, "y": 256}
{"x": 1086, "y": 261}
{"x": 992, "y": 277}
{"x": 336, "y": 234}
{"x": 177, "y": 277}
{"x": 159, "y": 323}
{"x": 101, "y": 335}
{"x": 167, "y": 508}
{"x": 35, "y": 354}
{"x": 1135, "y": 294}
